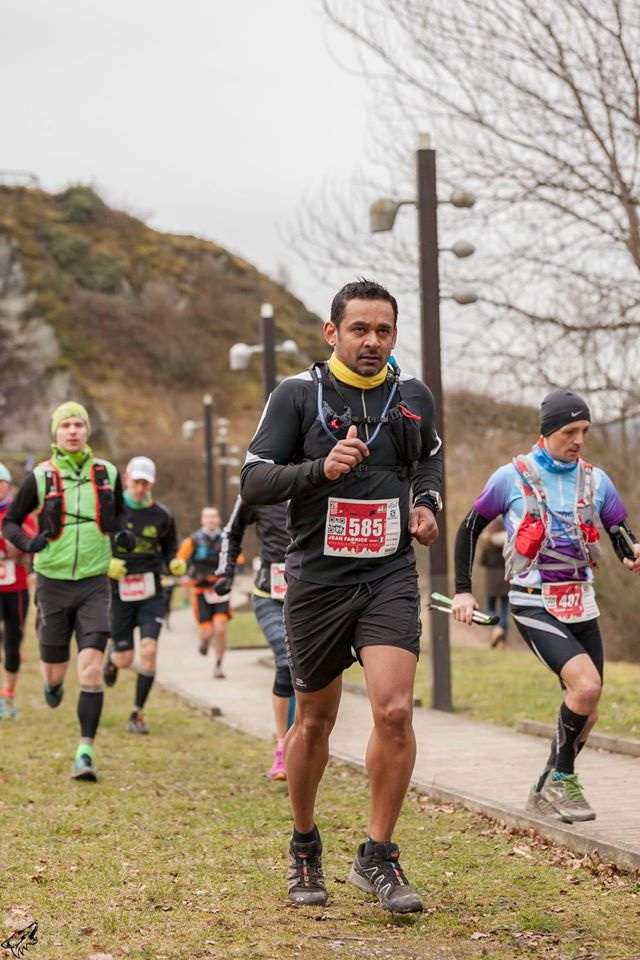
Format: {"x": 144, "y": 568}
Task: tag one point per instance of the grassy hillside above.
{"x": 141, "y": 323}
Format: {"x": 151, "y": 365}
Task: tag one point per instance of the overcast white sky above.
{"x": 212, "y": 117}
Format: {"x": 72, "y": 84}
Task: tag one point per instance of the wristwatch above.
{"x": 431, "y": 499}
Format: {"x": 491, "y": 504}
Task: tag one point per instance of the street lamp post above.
{"x": 189, "y": 428}
{"x": 383, "y": 214}
{"x": 210, "y": 489}
{"x": 441, "y": 698}
{"x": 268, "y": 349}
{"x": 240, "y": 353}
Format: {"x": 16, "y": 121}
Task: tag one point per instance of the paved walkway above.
{"x": 481, "y": 766}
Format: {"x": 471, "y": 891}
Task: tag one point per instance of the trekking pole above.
{"x": 443, "y": 604}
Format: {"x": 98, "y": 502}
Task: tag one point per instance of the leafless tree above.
{"x": 535, "y": 106}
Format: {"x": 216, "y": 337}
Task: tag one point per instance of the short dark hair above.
{"x": 360, "y": 289}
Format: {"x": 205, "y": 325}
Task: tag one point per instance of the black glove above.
{"x": 125, "y": 540}
{"x": 223, "y": 586}
{"x": 37, "y": 543}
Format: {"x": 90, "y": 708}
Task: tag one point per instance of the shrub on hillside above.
{"x": 102, "y": 273}
{"x": 79, "y": 203}
{"x": 65, "y": 247}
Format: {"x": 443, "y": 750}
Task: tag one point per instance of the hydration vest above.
{"x": 533, "y": 535}
{"x": 205, "y": 555}
{"x": 53, "y": 513}
{"x": 402, "y": 424}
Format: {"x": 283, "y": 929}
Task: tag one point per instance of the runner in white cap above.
{"x": 137, "y": 598}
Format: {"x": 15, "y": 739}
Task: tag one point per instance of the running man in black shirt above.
{"x": 269, "y": 592}
{"x": 137, "y": 597}
{"x": 348, "y": 442}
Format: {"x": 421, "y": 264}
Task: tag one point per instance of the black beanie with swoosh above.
{"x": 559, "y": 408}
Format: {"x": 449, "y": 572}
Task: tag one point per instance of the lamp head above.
{"x": 289, "y": 347}
{"x": 382, "y": 214}
{"x": 189, "y": 428}
{"x": 462, "y": 198}
{"x": 239, "y": 356}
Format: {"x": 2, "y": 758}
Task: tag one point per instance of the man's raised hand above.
{"x": 346, "y": 455}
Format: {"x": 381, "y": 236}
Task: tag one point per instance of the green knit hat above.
{"x": 68, "y": 409}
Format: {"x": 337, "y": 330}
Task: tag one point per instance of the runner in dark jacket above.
{"x": 348, "y": 442}
{"x": 268, "y": 598}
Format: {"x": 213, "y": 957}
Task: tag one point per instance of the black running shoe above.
{"x": 304, "y": 880}
{"x": 109, "y": 670}
{"x": 382, "y": 875}
{"x": 53, "y": 695}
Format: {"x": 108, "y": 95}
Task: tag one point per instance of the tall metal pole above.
{"x": 223, "y": 478}
{"x": 209, "y": 489}
{"x": 431, "y": 374}
{"x": 268, "y": 335}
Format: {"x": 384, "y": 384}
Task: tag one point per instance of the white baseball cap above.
{"x": 4, "y": 473}
{"x": 141, "y": 468}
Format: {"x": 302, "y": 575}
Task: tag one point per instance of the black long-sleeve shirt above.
{"x": 286, "y": 458}
{"x": 156, "y": 541}
{"x": 271, "y": 527}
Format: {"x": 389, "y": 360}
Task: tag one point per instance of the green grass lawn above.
{"x": 180, "y": 851}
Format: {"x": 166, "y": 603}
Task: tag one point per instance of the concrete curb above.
{"x": 567, "y": 835}
{"x": 597, "y": 741}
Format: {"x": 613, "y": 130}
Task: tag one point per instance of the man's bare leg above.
{"x": 306, "y": 749}
{"x": 391, "y": 751}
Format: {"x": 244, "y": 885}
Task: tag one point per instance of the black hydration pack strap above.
{"x": 317, "y": 374}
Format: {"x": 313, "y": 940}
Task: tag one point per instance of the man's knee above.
{"x": 315, "y": 725}
{"x": 282, "y": 685}
{"x": 394, "y": 717}
{"x": 588, "y": 687}
{"x": 90, "y": 675}
{"x": 148, "y": 649}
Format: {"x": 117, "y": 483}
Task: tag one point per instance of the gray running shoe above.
{"x": 540, "y": 807}
{"x": 305, "y": 881}
{"x": 83, "y": 768}
{"x": 566, "y": 797}
{"x": 136, "y": 723}
{"x": 382, "y": 875}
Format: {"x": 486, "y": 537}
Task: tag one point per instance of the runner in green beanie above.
{"x": 70, "y": 408}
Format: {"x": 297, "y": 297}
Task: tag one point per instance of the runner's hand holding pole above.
{"x": 462, "y": 607}
{"x": 444, "y": 605}
{"x": 633, "y": 549}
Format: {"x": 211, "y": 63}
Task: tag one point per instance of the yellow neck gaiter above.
{"x": 345, "y": 375}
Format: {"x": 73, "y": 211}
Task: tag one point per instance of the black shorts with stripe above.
{"x": 555, "y": 642}
{"x": 327, "y": 626}
{"x": 126, "y": 615}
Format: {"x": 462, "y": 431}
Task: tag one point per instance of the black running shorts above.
{"x": 205, "y": 612}
{"x": 68, "y": 606}
{"x": 126, "y": 615}
{"x": 326, "y": 626}
{"x": 555, "y": 642}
